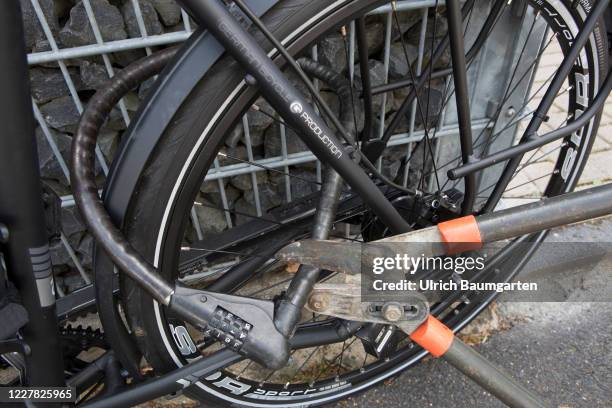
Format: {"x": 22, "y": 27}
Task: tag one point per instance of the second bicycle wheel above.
{"x": 229, "y": 184}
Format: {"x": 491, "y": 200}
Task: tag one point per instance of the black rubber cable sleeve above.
{"x": 82, "y": 176}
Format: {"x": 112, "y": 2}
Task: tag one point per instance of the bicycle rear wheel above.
{"x": 205, "y": 203}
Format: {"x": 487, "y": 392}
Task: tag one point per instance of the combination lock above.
{"x": 228, "y": 328}
{"x": 221, "y": 316}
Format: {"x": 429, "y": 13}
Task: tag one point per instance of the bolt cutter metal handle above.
{"x": 460, "y": 234}
{"x": 440, "y": 341}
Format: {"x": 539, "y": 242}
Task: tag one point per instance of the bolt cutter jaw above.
{"x": 344, "y": 300}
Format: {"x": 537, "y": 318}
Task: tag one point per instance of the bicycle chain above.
{"x": 74, "y": 340}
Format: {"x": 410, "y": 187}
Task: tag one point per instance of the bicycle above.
{"x": 184, "y": 142}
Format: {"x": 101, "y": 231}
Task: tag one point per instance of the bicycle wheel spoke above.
{"x": 349, "y": 60}
{"x": 328, "y": 364}
{"x": 269, "y": 287}
{"x": 532, "y": 180}
{"x": 520, "y": 185}
{"x": 244, "y": 369}
{"x": 340, "y": 362}
{"x": 306, "y": 360}
{"x": 536, "y": 160}
{"x": 220, "y": 251}
{"x": 412, "y": 78}
{"x": 241, "y": 213}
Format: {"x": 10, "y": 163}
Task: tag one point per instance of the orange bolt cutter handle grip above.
{"x": 433, "y": 336}
{"x": 460, "y": 234}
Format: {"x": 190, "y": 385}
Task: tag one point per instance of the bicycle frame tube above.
{"x": 455, "y": 34}
{"x": 27, "y": 250}
{"x": 292, "y": 106}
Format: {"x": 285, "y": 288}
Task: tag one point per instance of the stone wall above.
{"x": 70, "y": 27}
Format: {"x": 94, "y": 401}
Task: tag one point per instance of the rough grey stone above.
{"x": 149, "y": 17}
{"x": 398, "y": 67}
{"x": 377, "y": 77}
{"x": 232, "y": 155}
{"x": 268, "y": 197}
{"x": 175, "y": 28}
{"x": 334, "y": 104}
{"x": 398, "y": 99}
{"x": 444, "y": 61}
{"x": 61, "y": 114}
{"x": 62, "y": 8}
{"x": 257, "y": 138}
{"x": 78, "y": 31}
{"x": 435, "y": 104}
{"x": 85, "y": 250}
{"x": 375, "y": 37}
{"x": 33, "y": 31}
{"x": 114, "y": 121}
{"x": 71, "y": 221}
{"x": 169, "y": 11}
{"x": 395, "y": 153}
{"x": 441, "y": 29}
{"x": 258, "y": 121}
{"x": 245, "y": 211}
{"x": 93, "y": 76}
{"x": 210, "y": 186}
{"x": 47, "y": 84}
{"x": 258, "y": 152}
{"x": 416, "y": 165}
{"x": 231, "y": 195}
{"x": 433, "y": 97}
{"x": 304, "y": 184}
{"x": 234, "y": 136}
{"x": 125, "y": 58}
{"x": 108, "y": 141}
{"x": 408, "y": 20}
{"x": 131, "y": 100}
{"x": 331, "y": 99}
{"x": 243, "y": 181}
{"x": 73, "y": 282}
{"x": 49, "y": 166}
{"x": 332, "y": 49}
{"x": 390, "y": 168}
{"x": 41, "y": 46}
{"x": 58, "y": 253}
{"x": 273, "y": 142}
{"x": 145, "y": 87}
{"x": 211, "y": 219}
